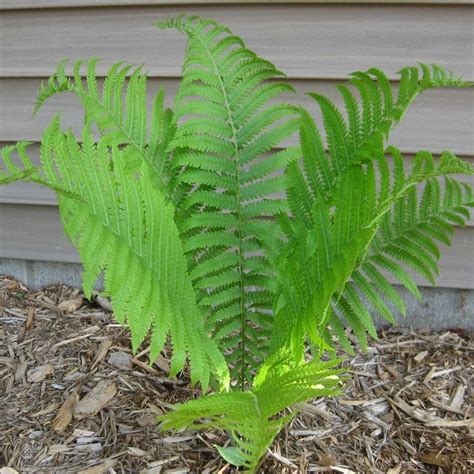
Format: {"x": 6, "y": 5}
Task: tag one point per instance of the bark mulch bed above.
{"x": 74, "y": 399}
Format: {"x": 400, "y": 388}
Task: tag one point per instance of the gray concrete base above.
{"x": 441, "y": 308}
{"x": 37, "y": 274}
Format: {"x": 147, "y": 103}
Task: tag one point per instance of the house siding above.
{"x": 317, "y": 43}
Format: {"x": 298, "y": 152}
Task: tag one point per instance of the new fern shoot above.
{"x": 247, "y": 256}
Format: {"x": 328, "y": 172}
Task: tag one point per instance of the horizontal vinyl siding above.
{"x": 317, "y": 43}
{"x": 306, "y": 41}
{"x": 438, "y": 120}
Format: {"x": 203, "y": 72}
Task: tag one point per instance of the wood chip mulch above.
{"x": 74, "y": 399}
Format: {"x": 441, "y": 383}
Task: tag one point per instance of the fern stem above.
{"x": 243, "y": 313}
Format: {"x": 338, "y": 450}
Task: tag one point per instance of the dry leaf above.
{"x": 96, "y": 399}
{"x": 8, "y": 470}
{"x": 65, "y": 413}
{"x": 69, "y": 306}
{"x": 38, "y": 374}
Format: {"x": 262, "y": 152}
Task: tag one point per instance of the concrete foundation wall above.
{"x": 441, "y": 308}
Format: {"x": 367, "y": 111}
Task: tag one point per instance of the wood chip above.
{"x": 395, "y": 470}
{"x": 65, "y": 413}
{"x": 457, "y": 399}
{"x": 102, "y": 352}
{"x": 409, "y": 448}
{"x": 121, "y": 360}
{"x": 96, "y": 399}
{"x": 435, "y": 459}
{"x": 443, "y": 423}
{"x": 420, "y": 356}
{"x": 69, "y": 306}
{"x": 429, "y": 375}
{"x": 28, "y": 323}
{"x": 38, "y": 374}
{"x": 136, "y": 452}
{"x": 102, "y": 468}
{"x": 21, "y": 369}
{"x": 177, "y": 439}
{"x": 104, "y": 303}
{"x": 281, "y": 458}
{"x": 162, "y": 364}
{"x": 145, "y": 366}
{"x": 89, "y": 331}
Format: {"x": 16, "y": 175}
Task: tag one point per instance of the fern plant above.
{"x": 249, "y": 262}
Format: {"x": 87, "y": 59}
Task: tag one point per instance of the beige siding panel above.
{"x": 438, "y": 120}
{"x": 32, "y": 4}
{"x": 306, "y": 41}
{"x": 35, "y": 233}
{"x": 27, "y": 193}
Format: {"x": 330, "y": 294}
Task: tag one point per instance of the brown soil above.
{"x": 69, "y": 403}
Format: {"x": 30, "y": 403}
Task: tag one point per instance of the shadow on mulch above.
{"x": 74, "y": 399}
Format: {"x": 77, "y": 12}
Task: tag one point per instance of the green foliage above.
{"x": 226, "y": 123}
{"x": 124, "y": 229}
{"x": 254, "y": 417}
{"x": 357, "y": 217}
{"x": 340, "y": 255}
{"x": 119, "y": 111}
{"x": 247, "y": 260}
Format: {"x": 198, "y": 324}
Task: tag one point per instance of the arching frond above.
{"x": 361, "y": 130}
{"x": 119, "y": 110}
{"x": 407, "y": 239}
{"x": 375, "y": 227}
{"x": 124, "y": 229}
{"x": 227, "y": 128}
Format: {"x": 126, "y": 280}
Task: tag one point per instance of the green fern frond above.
{"x": 124, "y": 230}
{"x": 59, "y": 82}
{"x": 254, "y": 417}
{"x": 16, "y": 171}
{"x": 361, "y": 132}
{"x": 339, "y": 197}
{"x": 338, "y": 255}
{"x": 119, "y": 109}
{"x": 402, "y": 240}
{"x": 225, "y": 125}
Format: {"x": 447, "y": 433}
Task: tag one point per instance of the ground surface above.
{"x": 73, "y": 399}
